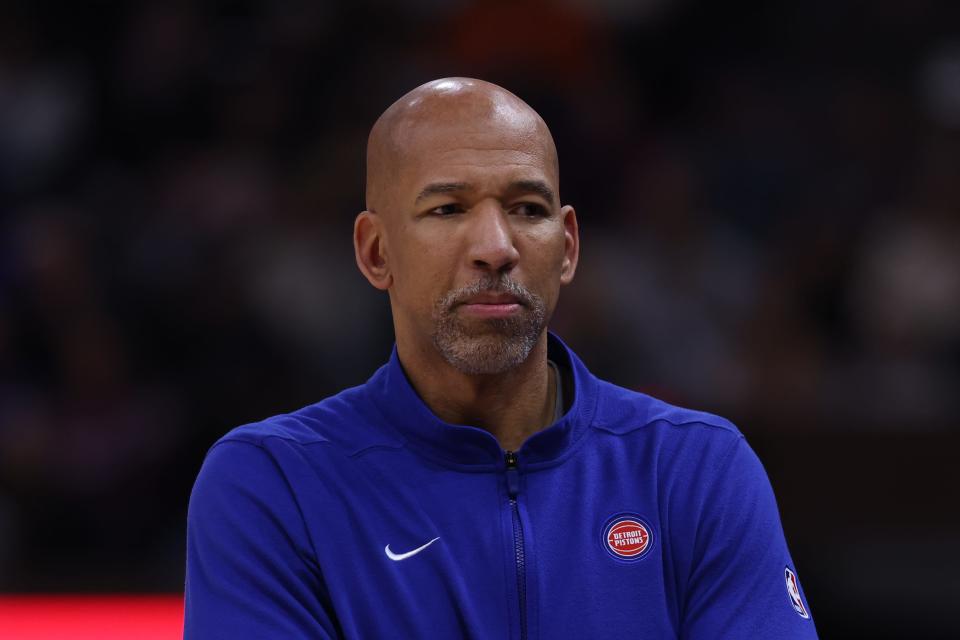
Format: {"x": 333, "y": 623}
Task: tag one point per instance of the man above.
{"x": 482, "y": 484}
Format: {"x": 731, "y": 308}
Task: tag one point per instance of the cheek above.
{"x": 421, "y": 269}
{"x": 545, "y": 249}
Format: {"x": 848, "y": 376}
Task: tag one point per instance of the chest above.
{"x": 414, "y": 551}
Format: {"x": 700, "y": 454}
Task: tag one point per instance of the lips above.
{"x": 491, "y": 310}
{"x": 492, "y": 299}
{"x": 491, "y": 304}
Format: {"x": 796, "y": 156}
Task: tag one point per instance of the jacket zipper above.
{"x": 513, "y": 488}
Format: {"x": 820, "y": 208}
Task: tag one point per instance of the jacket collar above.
{"x": 474, "y": 448}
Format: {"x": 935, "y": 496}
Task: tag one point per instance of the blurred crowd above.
{"x": 768, "y": 195}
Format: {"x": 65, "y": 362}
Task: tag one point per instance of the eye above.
{"x": 446, "y": 209}
{"x": 532, "y": 210}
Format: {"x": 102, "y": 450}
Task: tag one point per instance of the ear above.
{"x": 370, "y": 249}
{"x": 571, "y": 249}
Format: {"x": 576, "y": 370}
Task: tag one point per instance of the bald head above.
{"x": 464, "y": 111}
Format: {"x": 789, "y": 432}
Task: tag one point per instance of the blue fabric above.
{"x": 289, "y": 520}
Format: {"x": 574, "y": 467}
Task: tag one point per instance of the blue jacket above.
{"x": 366, "y": 516}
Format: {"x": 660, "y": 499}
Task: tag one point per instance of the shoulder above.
{"x": 626, "y": 413}
{"x": 291, "y": 453}
{"x": 623, "y": 410}
{"x": 345, "y": 422}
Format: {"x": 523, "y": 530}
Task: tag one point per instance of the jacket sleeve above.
{"x": 251, "y": 568}
{"x": 740, "y": 585}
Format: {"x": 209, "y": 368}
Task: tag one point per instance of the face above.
{"x": 475, "y": 243}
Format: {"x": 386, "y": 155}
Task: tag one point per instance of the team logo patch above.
{"x": 627, "y": 537}
{"x": 793, "y": 590}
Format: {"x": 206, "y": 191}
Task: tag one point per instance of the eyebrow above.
{"x": 538, "y": 187}
{"x": 441, "y": 187}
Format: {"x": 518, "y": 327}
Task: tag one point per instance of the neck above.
{"x": 512, "y": 405}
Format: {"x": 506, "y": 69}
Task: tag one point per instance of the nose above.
{"x": 491, "y": 239}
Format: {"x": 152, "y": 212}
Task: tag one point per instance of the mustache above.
{"x": 489, "y": 284}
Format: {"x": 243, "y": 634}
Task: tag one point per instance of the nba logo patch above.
{"x": 627, "y": 537}
{"x": 793, "y": 590}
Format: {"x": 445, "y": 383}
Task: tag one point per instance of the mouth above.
{"x": 492, "y": 298}
{"x": 491, "y": 305}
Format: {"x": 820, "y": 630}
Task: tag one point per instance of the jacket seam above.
{"x": 686, "y": 423}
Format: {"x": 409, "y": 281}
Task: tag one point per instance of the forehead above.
{"x": 465, "y": 146}
{"x": 489, "y": 143}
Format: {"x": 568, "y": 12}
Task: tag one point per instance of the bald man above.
{"x": 483, "y": 483}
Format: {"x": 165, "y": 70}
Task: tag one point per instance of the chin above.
{"x": 489, "y": 353}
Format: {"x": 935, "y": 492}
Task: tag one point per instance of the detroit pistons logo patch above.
{"x": 627, "y": 537}
{"x": 793, "y": 590}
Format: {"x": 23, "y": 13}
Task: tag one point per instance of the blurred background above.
{"x": 769, "y": 200}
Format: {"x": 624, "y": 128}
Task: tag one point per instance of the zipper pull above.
{"x": 513, "y": 475}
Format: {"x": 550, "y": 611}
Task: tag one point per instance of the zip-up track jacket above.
{"x": 365, "y": 516}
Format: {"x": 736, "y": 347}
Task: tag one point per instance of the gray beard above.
{"x": 494, "y": 345}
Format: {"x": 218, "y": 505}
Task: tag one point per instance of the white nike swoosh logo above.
{"x": 403, "y": 556}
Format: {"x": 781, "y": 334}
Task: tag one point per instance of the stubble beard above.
{"x": 492, "y": 345}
